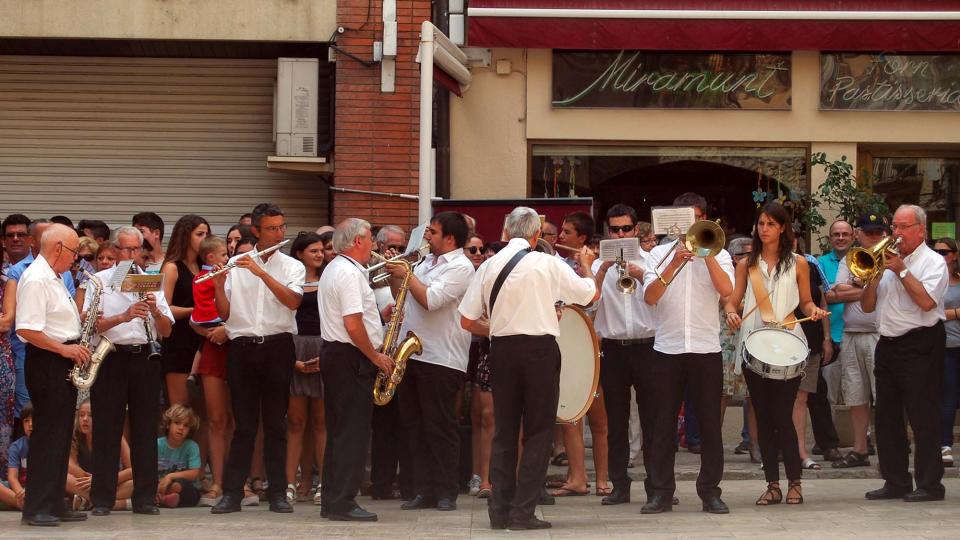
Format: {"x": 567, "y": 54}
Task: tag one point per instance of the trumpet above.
{"x": 230, "y": 266}
{"x": 704, "y": 238}
{"x": 419, "y": 252}
{"x": 867, "y": 264}
{"x": 626, "y": 283}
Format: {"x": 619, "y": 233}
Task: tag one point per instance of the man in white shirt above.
{"x": 257, "y": 301}
{"x": 857, "y": 345}
{"x": 524, "y": 359}
{"x": 128, "y": 380}
{"x": 427, "y": 397}
{"x": 626, "y": 326}
{"x": 908, "y": 361}
{"x": 352, "y": 335}
{"x": 48, "y": 321}
{"x": 687, "y": 353}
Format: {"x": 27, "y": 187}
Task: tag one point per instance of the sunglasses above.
{"x": 88, "y": 257}
{"x": 474, "y": 249}
{"x": 620, "y": 228}
{"x": 945, "y": 252}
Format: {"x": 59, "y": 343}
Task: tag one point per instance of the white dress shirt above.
{"x": 445, "y": 342}
{"x": 525, "y": 304}
{"x": 620, "y": 315}
{"x": 254, "y": 309}
{"x": 897, "y": 313}
{"x": 114, "y": 302}
{"x": 687, "y": 317}
{"x": 44, "y": 304}
{"x": 345, "y": 290}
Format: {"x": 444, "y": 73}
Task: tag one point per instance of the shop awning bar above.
{"x": 756, "y": 14}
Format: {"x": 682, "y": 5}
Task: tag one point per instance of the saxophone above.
{"x": 385, "y": 386}
{"x": 84, "y": 376}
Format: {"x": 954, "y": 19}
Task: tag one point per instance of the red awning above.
{"x": 717, "y": 25}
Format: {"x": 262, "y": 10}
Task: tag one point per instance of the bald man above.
{"x": 49, "y": 323}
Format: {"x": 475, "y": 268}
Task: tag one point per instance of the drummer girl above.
{"x": 780, "y": 279}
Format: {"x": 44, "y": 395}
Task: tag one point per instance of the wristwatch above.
{"x": 904, "y": 272}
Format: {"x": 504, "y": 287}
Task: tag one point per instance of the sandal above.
{"x": 811, "y": 465}
{"x": 317, "y": 497}
{"x": 567, "y": 492}
{"x": 211, "y": 497}
{"x": 603, "y": 492}
{"x": 291, "y": 493}
{"x": 794, "y": 489}
{"x": 484, "y": 493}
{"x": 852, "y": 459}
{"x": 773, "y": 495}
{"x": 560, "y": 460}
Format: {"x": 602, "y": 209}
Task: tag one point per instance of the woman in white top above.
{"x": 786, "y": 285}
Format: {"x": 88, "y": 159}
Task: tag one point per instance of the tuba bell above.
{"x": 867, "y": 264}
{"x": 704, "y": 238}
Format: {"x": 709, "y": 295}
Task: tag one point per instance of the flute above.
{"x": 230, "y": 266}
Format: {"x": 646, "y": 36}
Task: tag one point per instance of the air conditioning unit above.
{"x": 295, "y": 107}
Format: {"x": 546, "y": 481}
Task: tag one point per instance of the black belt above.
{"x": 259, "y": 340}
{"x": 71, "y": 342}
{"x": 910, "y": 333}
{"x": 626, "y": 342}
{"x": 131, "y": 349}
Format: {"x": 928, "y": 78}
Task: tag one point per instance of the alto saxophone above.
{"x": 84, "y": 376}
{"x": 385, "y": 386}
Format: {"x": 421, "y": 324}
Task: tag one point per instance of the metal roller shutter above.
{"x": 104, "y": 138}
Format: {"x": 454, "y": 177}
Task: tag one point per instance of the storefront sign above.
{"x": 885, "y": 82}
{"x": 653, "y": 80}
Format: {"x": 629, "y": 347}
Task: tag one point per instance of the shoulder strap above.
{"x": 503, "y": 276}
{"x": 763, "y": 302}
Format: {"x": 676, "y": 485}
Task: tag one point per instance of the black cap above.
{"x": 872, "y": 222}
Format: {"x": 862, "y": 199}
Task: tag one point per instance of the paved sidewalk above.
{"x": 833, "y": 509}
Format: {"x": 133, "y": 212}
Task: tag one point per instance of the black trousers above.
{"x": 259, "y": 381}
{"x": 54, "y": 402}
{"x": 909, "y": 375}
{"x": 126, "y": 381}
{"x": 702, "y": 376}
{"x": 387, "y": 462}
{"x": 525, "y": 379}
{"x": 427, "y": 403}
{"x": 348, "y": 401}
{"x": 821, "y": 414}
{"x": 623, "y": 367}
{"x": 772, "y": 401}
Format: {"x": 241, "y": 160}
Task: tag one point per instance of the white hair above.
{"x": 386, "y": 230}
{"x": 523, "y": 222}
{"x": 919, "y": 213}
{"x": 127, "y": 230}
{"x": 347, "y": 232}
{"x": 737, "y": 245}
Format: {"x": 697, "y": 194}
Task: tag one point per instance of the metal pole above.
{"x": 424, "y": 207}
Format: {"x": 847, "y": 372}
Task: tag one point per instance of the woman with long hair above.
{"x": 947, "y": 247}
{"x": 181, "y": 264}
{"x": 79, "y": 477}
{"x": 306, "y": 388}
{"x": 782, "y": 281}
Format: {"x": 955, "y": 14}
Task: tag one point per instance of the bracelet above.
{"x": 662, "y": 280}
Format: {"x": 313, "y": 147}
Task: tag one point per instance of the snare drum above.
{"x": 775, "y": 353}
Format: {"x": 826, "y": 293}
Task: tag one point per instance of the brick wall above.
{"x": 377, "y": 133}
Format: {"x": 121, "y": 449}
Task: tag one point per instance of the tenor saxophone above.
{"x": 84, "y": 376}
{"x": 385, "y": 386}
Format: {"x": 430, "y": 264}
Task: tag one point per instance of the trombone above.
{"x": 867, "y": 264}
{"x": 704, "y": 238}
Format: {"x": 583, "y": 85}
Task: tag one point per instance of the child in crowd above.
{"x": 17, "y": 460}
{"x": 178, "y": 459}
{"x": 79, "y": 477}
{"x": 212, "y": 252}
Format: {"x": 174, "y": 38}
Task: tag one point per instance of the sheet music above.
{"x": 613, "y": 249}
{"x": 672, "y": 220}
{"x": 416, "y": 239}
{"x": 122, "y": 269}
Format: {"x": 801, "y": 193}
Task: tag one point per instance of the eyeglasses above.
{"x": 128, "y": 249}
{"x": 17, "y": 235}
{"x": 620, "y": 228}
{"x": 396, "y": 247}
{"x": 945, "y": 252}
{"x": 64, "y": 246}
{"x": 474, "y": 249}
{"x": 897, "y": 227}
{"x": 274, "y": 228}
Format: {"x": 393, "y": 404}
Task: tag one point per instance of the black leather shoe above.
{"x": 70, "y": 515}
{"x": 446, "y": 505}
{"x": 418, "y": 503}
{"x": 617, "y": 496}
{"x": 227, "y": 505}
{"x": 923, "y": 495}
{"x": 357, "y": 514}
{"x": 528, "y": 524}
{"x": 715, "y": 506}
{"x": 40, "y": 520}
{"x": 280, "y": 505}
{"x": 546, "y": 499}
{"x": 100, "y": 511}
{"x": 886, "y": 492}
{"x": 146, "y": 509}
{"x": 657, "y": 504}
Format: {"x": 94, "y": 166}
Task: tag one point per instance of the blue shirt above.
{"x": 19, "y": 348}
{"x": 17, "y": 457}
{"x": 170, "y": 460}
{"x": 830, "y": 263}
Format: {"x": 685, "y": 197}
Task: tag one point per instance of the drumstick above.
{"x": 805, "y": 319}
{"x": 568, "y": 248}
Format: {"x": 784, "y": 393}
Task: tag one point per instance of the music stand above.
{"x": 619, "y": 248}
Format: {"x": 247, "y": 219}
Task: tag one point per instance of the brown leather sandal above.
{"x": 773, "y": 495}
{"x": 795, "y": 490}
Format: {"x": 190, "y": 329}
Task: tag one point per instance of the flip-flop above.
{"x": 567, "y": 492}
{"x": 603, "y": 492}
{"x": 811, "y": 465}
{"x": 560, "y": 460}
{"x": 551, "y": 484}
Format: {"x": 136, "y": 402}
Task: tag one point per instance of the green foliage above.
{"x": 842, "y": 193}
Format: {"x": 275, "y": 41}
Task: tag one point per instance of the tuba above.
{"x": 704, "y": 238}
{"x": 867, "y": 264}
{"x": 385, "y": 386}
{"x": 84, "y": 376}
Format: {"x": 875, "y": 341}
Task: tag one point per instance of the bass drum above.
{"x": 579, "y": 364}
